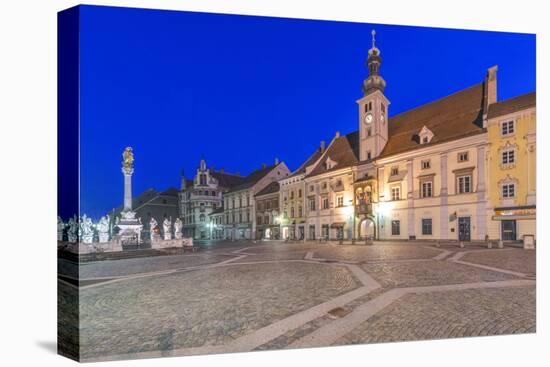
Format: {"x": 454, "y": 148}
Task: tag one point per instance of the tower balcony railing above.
{"x": 363, "y": 208}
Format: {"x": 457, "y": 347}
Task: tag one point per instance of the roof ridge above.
{"x": 436, "y": 101}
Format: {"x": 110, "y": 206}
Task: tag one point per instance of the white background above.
{"x": 28, "y": 181}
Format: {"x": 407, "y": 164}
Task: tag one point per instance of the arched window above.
{"x": 202, "y": 217}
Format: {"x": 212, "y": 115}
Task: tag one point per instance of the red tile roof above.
{"x": 512, "y": 105}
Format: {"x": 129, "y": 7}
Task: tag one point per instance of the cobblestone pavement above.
{"x": 394, "y": 275}
{"x": 519, "y": 260}
{"x": 111, "y": 268}
{"x": 244, "y": 296}
{"x": 376, "y": 252}
{"x": 195, "y": 308}
{"x": 450, "y": 315}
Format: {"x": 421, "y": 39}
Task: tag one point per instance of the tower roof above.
{"x": 374, "y": 81}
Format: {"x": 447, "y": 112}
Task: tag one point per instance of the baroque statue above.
{"x": 72, "y": 233}
{"x": 86, "y": 229}
{"x": 60, "y": 228}
{"x": 128, "y": 158}
{"x": 153, "y": 227}
{"x": 178, "y": 225}
{"x": 103, "y": 229}
{"x": 167, "y": 226}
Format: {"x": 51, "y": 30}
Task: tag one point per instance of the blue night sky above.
{"x": 240, "y": 91}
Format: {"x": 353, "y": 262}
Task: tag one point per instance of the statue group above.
{"x": 84, "y": 229}
{"x": 154, "y": 229}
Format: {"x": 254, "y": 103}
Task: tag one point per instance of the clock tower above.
{"x": 373, "y": 109}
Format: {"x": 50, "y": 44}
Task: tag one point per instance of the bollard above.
{"x": 461, "y": 244}
{"x": 500, "y": 244}
{"x": 489, "y": 244}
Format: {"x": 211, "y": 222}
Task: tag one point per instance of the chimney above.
{"x": 276, "y": 161}
{"x": 337, "y": 135}
{"x": 491, "y": 84}
{"x": 322, "y": 146}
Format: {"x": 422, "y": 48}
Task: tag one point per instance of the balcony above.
{"x": 363, "y": 208}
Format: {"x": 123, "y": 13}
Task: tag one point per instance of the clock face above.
{"x": 368, "y": 118}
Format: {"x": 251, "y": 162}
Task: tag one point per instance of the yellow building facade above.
{"x": 511, "y": 131}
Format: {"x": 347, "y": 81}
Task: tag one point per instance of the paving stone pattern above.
{"x": 217, "y": 303}
{"x": 398, "y": 275}
{"x": 476, "y": 312}
{"x": 523, "y": 261}
{"x": 197, "y": 308}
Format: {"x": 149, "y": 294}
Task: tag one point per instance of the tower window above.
{"x": 369, "y": 132}
{"x": 383, "y": 108}
{"x": 369, "y": 156}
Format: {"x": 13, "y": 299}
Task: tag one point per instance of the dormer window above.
{"x": 425, "y": 135}
{"x": 329, "y": 164}
{"x": 394, "y": 171}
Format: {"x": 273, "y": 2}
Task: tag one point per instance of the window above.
{"x": 248, "y": 216}
{"x": 427, "y": 226}
{"x": 395, "y": 227}
{"x": 396, "y": 193}
{"x": 369, "y": 155}
{"x": 383, "y": 107}
{"x": 507, "y": 128}
{"x": 202, "y": 179}
{"x": 394, "y": 171}
{"x": 240, "y": 201}
{"x": 202, "y": 207}
{"x": 311, "y": 188}
{"x": 324, "y": 200}
{"x": 464, "y": 184}
{"x": 508, "y": 157}
{"x": 425, "y": 164}
{"x": 259, "y": 220}
{"x": 427, "y": 189}
{"x": 463, "y": 157}
{"x": 240, "y": 217}
{"x": 508, "y": 191}
{"x": 299, "y": 193}
{"x": 300, "y": 211}
{"x": 311, "y": 204}
{"x": 340, "y": 201}
{"x": 266, "y": 219}
{"x": 369, "y": 131}
{"x": 425, "y": 140}
{"x": 324, "y": 185}
{"x": 202, "y": 217}
{"x": 292, "y": 195}
{"x": 292, "y": 212}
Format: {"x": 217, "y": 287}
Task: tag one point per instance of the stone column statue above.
{"x": 178, "y": 225}
{"x": 167, "y": 226}
{"x": 128, "y": 170}
{"x": 103, "y": 229}
{"x": 129, "y": 226}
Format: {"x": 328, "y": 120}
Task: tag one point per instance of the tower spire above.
{"x": 374, "y": 80}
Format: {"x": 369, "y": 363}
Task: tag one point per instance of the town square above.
{"x": 411, "y": 225}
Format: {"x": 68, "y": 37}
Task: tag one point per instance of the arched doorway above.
{"x": 367, "y": 229}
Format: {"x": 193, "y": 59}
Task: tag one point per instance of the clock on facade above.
{"x": 368, "y": 118}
